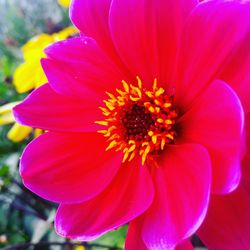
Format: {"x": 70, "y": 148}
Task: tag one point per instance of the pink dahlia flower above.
{"x": 145, "y": 118}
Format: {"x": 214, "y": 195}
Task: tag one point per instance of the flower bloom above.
{"x": 146, "y": 119}
{"x": 25, "y": 81}
{"x": 64, "y": 3}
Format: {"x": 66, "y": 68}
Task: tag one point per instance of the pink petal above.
{"x": 91, "y": 18}
{"x": 236, "y": 72}
{"x": 130, "y": 194}
{"x": 213, "y": 31}
{"x": 78, "y": 67}
{"x": 216, "y": 121}
{"x": 47, "y": 110}
{"x": 246, "y": 159}
{"x": 227, "y": 223}
{"x": 63, "y": 167}
{"x": 185, "y": 245}
{"x": 146, "y": 35}
{"x": 134, "y": 237}
{"x": 182, "y": 183}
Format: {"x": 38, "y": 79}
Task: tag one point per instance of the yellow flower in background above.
{"x": 29, "y": 75}
{"x": 64, "y": 3}
{"x": 79, "y": 248}
{"x": 17, "y": 132}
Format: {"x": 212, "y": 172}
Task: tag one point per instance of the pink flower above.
{"x": 145, "y": 123}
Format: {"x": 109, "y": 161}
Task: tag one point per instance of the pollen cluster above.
{"x": 138, "y": 121}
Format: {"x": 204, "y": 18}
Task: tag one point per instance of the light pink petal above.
{"x": 214, "y": 30}
{"x": 134, "y": 237}
{"x": 46, "y": 109}
{"x": 216, "y": 121}
{"x": 78, "y": 67}
{"x": 227, "y": 223}
{"x": 147, "y": 34}
{"x": 130, "y": 194}
{"x": 68, "y": 167}
{"x": 182, "y": 188}
{"x": 91, "y": 18}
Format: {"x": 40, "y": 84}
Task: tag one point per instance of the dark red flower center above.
{"x": 139, "y": 121}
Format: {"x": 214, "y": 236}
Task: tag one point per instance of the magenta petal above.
{"x": 185, "y": 245}
{"x": 64, "y": 167}
{"x": 204, "y": 49}
{"x": 47, "y": 110}
{"x": 182, "y": 189}
{"x": 216, "y": 121}
{"x": 147, "y": 33}
{"x": 79, "y": 67}
{"x": 236, "y": 72}
{"x": 134, "y": 237}
{"x": 130, "y": 194}
{"x": 227, "y": 225}
{"x": 91, "y": 18}
{"x": 246, "y": 159}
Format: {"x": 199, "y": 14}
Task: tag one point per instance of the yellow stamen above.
{"x": 111, "y": 145}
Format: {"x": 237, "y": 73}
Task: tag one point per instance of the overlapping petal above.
{"x": 130, "y": 194}
{"x": 227, "y": 223}
{"x": 79, "y": 67}
{"x": 146, "y": 35}
{"x": 182, "y": 189}
{"x": 216, "y": 120}
{"x": 91, "y": 18}
{"x": 63, "y": 167}
{"x": 204, "y": 49}
{"x": 46, "y": 109}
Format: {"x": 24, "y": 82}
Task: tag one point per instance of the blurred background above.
{"x": 26, "y": 221}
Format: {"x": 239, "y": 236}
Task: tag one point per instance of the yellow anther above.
{"x": 163, "y": 141}
{"x": 149, "y": 94}
{"x": 160, "y": 120}
{"x": 154, "y": 139}
{"x": 134, "y": 99}
{"x": 121, "y": 103}
{"x": 109, "y": 105}
{"x": 111, "y": 95}
{"x": 150, "y": 133}
{"x": 151, "y": 109}
{"x": 145, "y": 153}
{"x": 136, "y": 90}
{"x": 104, "y": 123}
{"x": 131, "y": 142}
{"x": 157, "y": 102}
{"x": 132, "y": 156}
{"x": 120, "y": 92}
{"x": 155, "y": 85}
{"x": 170, "y": 137}
{"x": 139, "y": 82}
{"x": 102, "y": 131}
{"x": 132, "y": 148}
{"x": 157, "y": 110}
{"x": 159, "y": 92}
{"x": 112, "y": 145}
{"x": 145, "y": 144}
{"x": 167, "y": 105}
{"x": 125, "y": 86}
{"x": 114, "y": 136}
{"x": 125, "y": 157}
{"x": 168, "y": 122}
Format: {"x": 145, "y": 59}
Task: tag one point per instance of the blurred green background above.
{"x": 26, "y": 221}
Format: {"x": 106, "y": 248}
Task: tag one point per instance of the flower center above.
{"x": 139, "y": 121}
